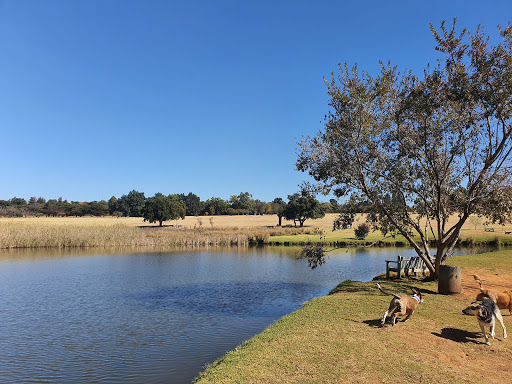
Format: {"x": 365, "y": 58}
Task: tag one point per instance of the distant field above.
{"x": 39, "y": 231}
{"x": 82, "y": 232}
{"x": 241, "y": 221}
{"x": 190, "y": 221}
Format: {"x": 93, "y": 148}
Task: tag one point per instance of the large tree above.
{"x": 301, "y": 207}
{"x": 243, "y": 202}
{"x": 422, "y": 150}
{"x": 278, "y": 206}
{"x": 160, "y": 208}
{"x": 215, "y": 206}
{"x": 193, "y": 203}
{"x": 131, "y": 204}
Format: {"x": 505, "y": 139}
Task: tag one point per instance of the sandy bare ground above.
{"x": 463, "y": 350}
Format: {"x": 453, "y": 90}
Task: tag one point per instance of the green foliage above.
{"x": 362, "y": 230}
{"x": 131, "y": 204}
{"x": 314, "y": 253}
{"x": 243, "y": 201}
{"x": 278, "y": 206}
{"x": 215, "y": 206}
{"x": 112, "y": 206}
{"x": 18, "y": 201}
{"x": 162, "y": 208}
{"x": 192, "y": 202}
{"x": 430, "y": 147}
{"x": 301, "y": 207}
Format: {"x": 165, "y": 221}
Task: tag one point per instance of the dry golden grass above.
{"x": 192, "y": 231}
{"x": 241, "y": 221}
{"x": 134, "y": 232}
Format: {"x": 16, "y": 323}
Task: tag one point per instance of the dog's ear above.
{"x": 415, "y": 290}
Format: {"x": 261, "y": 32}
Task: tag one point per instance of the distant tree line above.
{"x": 161, "y": 207}
{"x": 18, "y": 207}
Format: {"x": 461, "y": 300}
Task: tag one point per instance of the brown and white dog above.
{"x": 503, "y": 299}
{"x": 486, "y": 311}
{"x": 401, "y": 305}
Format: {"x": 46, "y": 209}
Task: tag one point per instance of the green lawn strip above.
{"x": 491, "y": 261}
{"x": 347, "y": 236}
{"x": 337, "y": 338}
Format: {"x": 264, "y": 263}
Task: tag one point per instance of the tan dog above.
{"x": 486, "y": 312}
{"x": 401, "y": 305}
{"x": 502, "y": 299}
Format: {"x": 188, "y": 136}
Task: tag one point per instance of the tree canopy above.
{"x": 420, "y": 150}
{"x": 161, "y": 208}
{"x": 301, "y": 207}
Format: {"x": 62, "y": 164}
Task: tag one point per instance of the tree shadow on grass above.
{"x": 460, "y": 335}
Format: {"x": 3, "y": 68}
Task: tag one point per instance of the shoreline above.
{"x": 321, "y": 341}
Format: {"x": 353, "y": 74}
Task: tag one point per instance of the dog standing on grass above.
{"x": 401, "y": 305}
{"x": 486, "y": 311}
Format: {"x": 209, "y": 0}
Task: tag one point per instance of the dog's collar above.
{"x": 415, "y": 297}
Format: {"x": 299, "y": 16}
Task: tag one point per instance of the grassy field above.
{"x": 338, "y": 339}
{"x": 195, "y": 231}
{"x": 134, "y": 232}
{"x": 469, "y": 234}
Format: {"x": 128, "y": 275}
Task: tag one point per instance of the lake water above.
{"x": 151, "y": 317}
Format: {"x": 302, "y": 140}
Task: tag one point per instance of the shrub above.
{"x": 362, "y": 230}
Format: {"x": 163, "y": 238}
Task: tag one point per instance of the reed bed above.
{"x": 35, "y": 235}
{"x": 54, "y": 232}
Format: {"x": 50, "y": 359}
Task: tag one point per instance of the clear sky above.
{"x": 100, "y": 97}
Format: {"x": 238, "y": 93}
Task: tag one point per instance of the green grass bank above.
{"x": 346, "y": 238}
{"x": 338, "y": 339}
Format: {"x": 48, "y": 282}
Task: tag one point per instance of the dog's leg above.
{"x": 383, "y": 321}
{"x": 384, "y": 318}
{"x": 497, "y": 315}
{"x": 391, "y": 308}
{"x": 397, "y": 312}
{"x": 485, "y": 335}
{"x": 400, "y": 310}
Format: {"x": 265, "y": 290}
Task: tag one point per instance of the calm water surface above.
{"x": 155, "y": 317}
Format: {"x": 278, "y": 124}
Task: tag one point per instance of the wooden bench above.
{"x": 406, "y": 265}
{"x": 489, "y": 229}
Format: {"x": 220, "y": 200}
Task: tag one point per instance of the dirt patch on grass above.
{"x": 500, "y": 280}
{"x": 462, "y": 352}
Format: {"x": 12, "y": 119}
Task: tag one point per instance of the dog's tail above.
{"x": 477, "y": 278}
{"x": 387, "y": 293}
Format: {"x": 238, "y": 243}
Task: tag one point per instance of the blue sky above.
{"x": 101, "y": 97}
